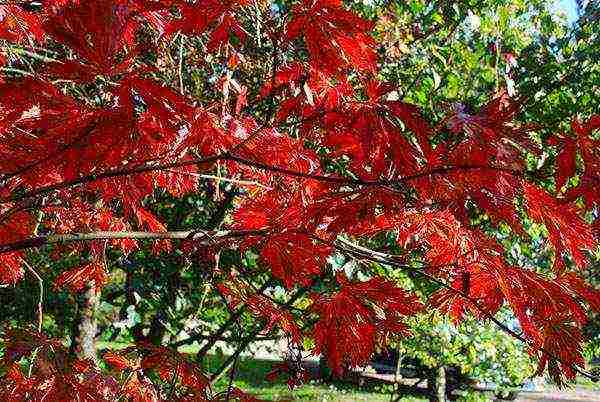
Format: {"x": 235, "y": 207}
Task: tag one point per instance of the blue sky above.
{"x": 570, "y": 9}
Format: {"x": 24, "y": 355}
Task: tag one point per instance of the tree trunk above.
{"x": 85, "y": 326}
{"x": 440, "y": 384}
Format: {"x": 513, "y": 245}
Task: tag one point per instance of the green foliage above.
{"x": 479, "y": 350}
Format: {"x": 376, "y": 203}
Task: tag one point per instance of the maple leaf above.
{"x": 95, "y": 30}
{"x": 11, "y": 268}
{"x": 169, "y": 364}
{"x": 52, "y": 134}
{"x": 199, "y": 17}
{"x": 588, "y": 147}
{"x": 375, "y": 144}
{"x": 77, "y": 279}
{"x": 335, "y": 38}
{"x": 356, "y": 213}
{"x": 53, "y": 375}
{"x": 221, "y": 33}
{"x": 18, "y": 25}
{"x": 117, "y": 361}
{"x": 16, "y": 227}
{"x": 351, "y": 320}
{"x": 567, "y": 231}
{"x": 236, "y": 292}
{"x": 411, "y": 116}
{"x": 280, "y": 150}
{"x": 260, "y": 306}
{"x": 138, "y": 388}
{"x": 286, "y": 75}
{"x": 294, "y": 258}
{"x": 566, "y": 166}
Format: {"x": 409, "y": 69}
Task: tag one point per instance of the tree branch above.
{"x": 340, "y": 243}
{"x": 40, "y": 310}
{"x": 196, "y": 235}
{"x": 259, "y": 165}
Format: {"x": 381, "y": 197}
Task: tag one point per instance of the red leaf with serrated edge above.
{"x": 97, "y": 31}
{"x": 170, "y": 364}
{"x": 275, "y": 315}
{"x": 350, "y": 322}
{"x": 565, "y": 163}
{"x": 567, "y": 231}
{"x": 221, "y": 33}
{"x": 117, "y": 361}
{"x": 19, "y": 25}
{"x": 199, "y": 17}
{"x": 16, "y": 226}
{"x": 77, "y": 279}
{"x": 11, "y": 268}
{"x": 138, "y": 388}
{"x": 335, "y": 38}
{"x": 294, "y": 257}
{"x": 411, "y": 116}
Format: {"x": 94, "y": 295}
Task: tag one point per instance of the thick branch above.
{"x": 197, "y": 235}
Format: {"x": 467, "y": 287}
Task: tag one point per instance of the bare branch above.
{"x": 41, "y": 299}
{"x": 200, "y": 235}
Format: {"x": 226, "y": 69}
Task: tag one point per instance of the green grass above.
{"x": 587, "y": 384}
{"x": 250, "y": 377}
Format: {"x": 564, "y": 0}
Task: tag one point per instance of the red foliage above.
{"x": 336, "y": 38}
{"x": 54, "y": 376}
{"x": 294, "y": 257}
{"x": 76, "y": 279}
{"x": 18, "y": 25}
{"x": 88, "y": 140}
{"x": 359, "y": 317}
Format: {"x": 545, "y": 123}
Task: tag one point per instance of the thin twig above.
{"x": 40, "y": 309}
{"x": 182, "y": 90}
{"x": 225, "y": 179}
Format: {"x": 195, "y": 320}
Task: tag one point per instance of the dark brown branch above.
{"x": 126, "y": 171}
{"x": 256, "y": 164}
{"x": 360, "y": 182}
